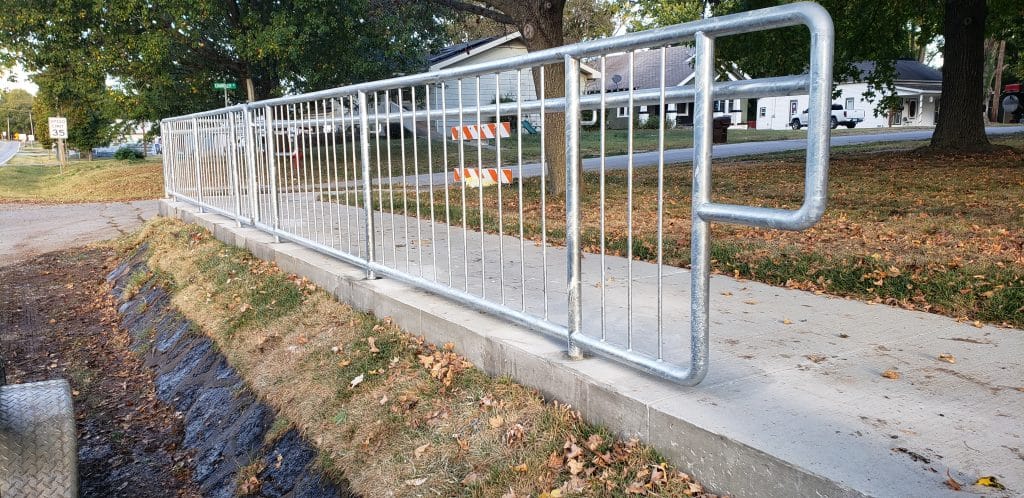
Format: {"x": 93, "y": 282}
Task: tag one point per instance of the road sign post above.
{"x": 59, "y": 131}
{"x": 225, "y": 86}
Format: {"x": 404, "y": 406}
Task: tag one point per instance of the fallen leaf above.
{"x": 952, "y": 483}
{"x": 891, "y": 374}
{"x": 496, "y": 421}
{"x": 555, "y": 460}
{"x": 990, "y": 481}
{"x": 636, "y": 488}
{"x": 463, "y": 443}
{"x": 356, "y": 381}
{"x": 749, "y": 301}
{"x": 575, "y": 466}
{"x": 383, "y": 401}
{"x": 787, "y": 321}
{"x": 372, "y": 341}
{"x": 344, "y": 363}
{"x": 471, "y": 479}
{"x": 418, "y": 452}
{"x": 415, "y": 482}
{"x": 594, "y": 441}
{"x": 244, "y": 307}
{"x": 946, "y": 357}
{"x": 520, "y": 468}
{"x": 976, "y": 324}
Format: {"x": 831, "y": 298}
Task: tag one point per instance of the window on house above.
{"x": 763, "y": 112}
{"x": 623, "y": 112}
{"x": 719, "y": 106}
{"x": 792, "y": 108}
{"x": 684, "y": 109}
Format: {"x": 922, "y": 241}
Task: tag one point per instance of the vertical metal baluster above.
{"x": 543, "y": 195}
{"x": 380, "y": 177}
{"x": 391, "y": 178}
{"x": 447, "y": 187}
{"x": 307, "y": 220}
{"x": 334, "y": 205}
{"x": 405, "y": 182}
{"x": 250, "y": 164}
{"x": 480, "y": 188}
{"x": 195, "y": 152}
{"x": 347, "y": 185}
{"x": 462, "y": 174}
{"x": 318, "y": 186}
{"x": 629, "y": 212}
{"x": 416, "y": 175}
{"x": 519, "y": 160}
{"x": 356, "y": 166}
{"x": 497, "y": 165}
{"x": 573, "y": 247}
{"x": 700, "y": 242}
{"x": 364, "y": 150}
{"x": 235, "y": 189}
{"x": 275, "y": 215}
{"x": 430, "y": 183}
{"x": 661, "y": 202}
{"x": 604, "y": 266}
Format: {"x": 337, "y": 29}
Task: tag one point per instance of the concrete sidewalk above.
{"x": 794, "y": 405}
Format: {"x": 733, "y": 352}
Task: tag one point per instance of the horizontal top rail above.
{"x": 815, "y": 17}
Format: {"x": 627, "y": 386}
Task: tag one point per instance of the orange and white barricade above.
{"x": 482, "y": 178}
{"x": 485, "y": 131}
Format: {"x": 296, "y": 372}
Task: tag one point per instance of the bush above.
{"x": 127, "y": 154}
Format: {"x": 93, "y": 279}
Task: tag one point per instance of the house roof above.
{"x": 906, "y": 71}
{"x": 454, "y": 53}
{"x": 451, "y": 55}
{"x": 646, "y": 69}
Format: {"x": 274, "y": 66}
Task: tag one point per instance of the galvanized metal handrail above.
{"x": 229, "y": 161}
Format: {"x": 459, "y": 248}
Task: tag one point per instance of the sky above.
{"x": 20, "y": 81}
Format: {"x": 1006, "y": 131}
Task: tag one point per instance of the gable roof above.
{"x": 906, "y": 71}
{"x": 455, "y": 53}
{"x": 646, "y": 69}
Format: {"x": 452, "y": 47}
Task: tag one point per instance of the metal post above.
{"x": 275, "y": 216}
{"x": 236, "y": 191}
{"x": 364, "y": 149}
{"x": 572, "y": 203}
{"x": 195, "y": 155}
{"x": 250, "y": 165}
{"x": 166, "y": 162}
{"x": 700, "y": 243}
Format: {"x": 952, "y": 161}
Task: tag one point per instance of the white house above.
{"x": 504, "y": 86}
{"x": 918, "y": 86}
{"x": 647, "y": 76}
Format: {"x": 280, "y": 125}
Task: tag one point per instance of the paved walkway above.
{"x": 30, "y": 229}
{"x": 7, "y": 150}
{"x": 795, "y": 375}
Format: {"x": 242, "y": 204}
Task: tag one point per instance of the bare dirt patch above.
{"x": 56, "y": 321}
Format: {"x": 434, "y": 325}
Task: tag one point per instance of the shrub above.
{"x": 127, "y": 154}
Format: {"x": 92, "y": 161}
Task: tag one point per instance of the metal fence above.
{"x": 366, "y": 174}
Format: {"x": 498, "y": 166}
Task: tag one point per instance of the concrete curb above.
{"x": 606, "y": 393}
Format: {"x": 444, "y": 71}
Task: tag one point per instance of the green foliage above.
{"x": 80, "y": 94}
{"x": 127, "y": 154}
{"x": 15, "y": 108}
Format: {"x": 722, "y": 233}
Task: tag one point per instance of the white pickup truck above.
{"x": 840, "y": 116}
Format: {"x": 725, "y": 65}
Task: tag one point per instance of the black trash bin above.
{"x": 720, "y": 129}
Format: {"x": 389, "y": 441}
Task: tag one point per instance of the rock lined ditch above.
{"x": 238, "y": 449}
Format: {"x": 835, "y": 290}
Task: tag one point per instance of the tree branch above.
{"x": 470, "y": 8}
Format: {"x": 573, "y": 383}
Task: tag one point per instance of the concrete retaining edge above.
{"x": 606, "y": 393}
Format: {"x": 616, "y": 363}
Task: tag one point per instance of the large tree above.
{"x": 875, "y": 30}
{"x": 15, "y": 111}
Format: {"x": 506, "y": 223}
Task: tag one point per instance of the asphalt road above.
{"x": 676, "y": 156}
{"x": 7, "y": 150}
{"x": 27, "y": 230}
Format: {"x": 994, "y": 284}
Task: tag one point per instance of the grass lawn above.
{"x": 944, "y": 235}
{"x": 419, "y": 159}
{"x": 35, "y": 177}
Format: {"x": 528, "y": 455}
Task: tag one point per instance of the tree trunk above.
{"x": 541, "y": 24}
{"x": 961, "y": 122}
{"x": 997, "y": 87}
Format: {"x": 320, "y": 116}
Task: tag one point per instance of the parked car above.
{"x": 840, "y": 116}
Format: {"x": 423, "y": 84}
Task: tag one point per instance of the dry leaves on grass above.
{"x": 443, "y": 364}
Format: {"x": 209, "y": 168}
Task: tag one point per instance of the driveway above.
{"x": 30, "y": 229}
{"x": 7, "y": 150}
